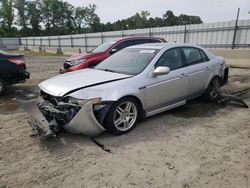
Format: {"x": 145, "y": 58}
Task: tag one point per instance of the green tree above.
{"x": 139, "y": 20}
{"x": 34, "y": 15}
{"x": 7, "y": 16}
{"x": 46, "y": 13}
{"x": 80, "y": 17}
{"x": 68, "y": 16}
{"x": 22, "y": 17}
{"x": 108, "y": 26}
{"x": 170, "y": 19}
{"x": 186, "y": 19}
{"x": 92, "y": 19}
{"x": 56, "y": 17}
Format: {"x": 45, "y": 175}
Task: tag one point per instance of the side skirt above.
{"x": 166, "y": 108}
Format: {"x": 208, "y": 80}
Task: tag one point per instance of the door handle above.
{"x": 183, "y": 75}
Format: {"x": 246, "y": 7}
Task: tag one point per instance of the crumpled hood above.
{"x": 65, "y": 83}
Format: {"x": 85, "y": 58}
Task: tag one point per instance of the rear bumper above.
{"x": 17, "y": 77}
{"x": 22, "y": 73}
{"x": 21, "y": 77}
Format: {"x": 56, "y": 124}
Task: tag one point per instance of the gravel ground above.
{"x": 196, "y": 145}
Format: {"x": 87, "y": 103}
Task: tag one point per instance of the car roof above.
{"x": 138, "y": 37}
{"x": 160, "y": 46}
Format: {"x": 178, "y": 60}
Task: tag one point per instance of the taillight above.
{"x": 19, "y": 61}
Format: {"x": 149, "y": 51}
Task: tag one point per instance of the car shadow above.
{"x": 195, "y": 113}
{"x": 163, "y": 124}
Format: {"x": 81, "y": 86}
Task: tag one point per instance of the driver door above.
{"x": 167, "y": 90}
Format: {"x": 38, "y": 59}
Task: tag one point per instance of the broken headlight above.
{"x": 100, "y": 108}
{"x": 82, "y": 102}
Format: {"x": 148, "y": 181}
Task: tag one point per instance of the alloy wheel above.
{"x": 125, "y": 116}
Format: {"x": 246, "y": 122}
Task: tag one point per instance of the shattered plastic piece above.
{"x": 234, "y": 97}
{"x": 101, "y": 145}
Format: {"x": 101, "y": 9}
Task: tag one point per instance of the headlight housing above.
{"x": 76, "y": 62}
{"x": 82, "y": 102}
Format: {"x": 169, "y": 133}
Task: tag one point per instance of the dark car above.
{"x": 103, "y": 51}
{"x": 12, "y": 70}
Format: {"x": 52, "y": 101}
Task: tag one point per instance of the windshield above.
{"x": 103, "y": 47}
{"x": 130, "y": 61}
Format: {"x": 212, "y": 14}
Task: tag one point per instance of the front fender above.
{"x": 212, "y": 76}
{"x": 108, "y": 94}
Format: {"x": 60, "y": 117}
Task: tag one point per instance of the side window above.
{"x": 143, "y": 41}
{"x": 194, "y": 55}
{"x": 171, "y": 59}
{"x": 204, "y": 57}
{"x": 154, "y": 41}
{"x": 124, "y": 44}
{"x": 140, "y": 41}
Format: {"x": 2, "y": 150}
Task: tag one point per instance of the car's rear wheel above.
{"x": 122, "y": 116}
{"x": 2, "y": 86}
{"x": 213, "y": 90}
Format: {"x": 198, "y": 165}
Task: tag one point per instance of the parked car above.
{"x": 12, "y": 70}
{"x": 136, "y": 82}
{"x": 103, "y": 51}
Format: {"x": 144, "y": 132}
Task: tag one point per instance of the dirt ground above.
{"x": 196, "y": 145}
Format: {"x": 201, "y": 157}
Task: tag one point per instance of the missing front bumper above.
{"x": 84, "y": 122}
{"x": 40, "y": 126}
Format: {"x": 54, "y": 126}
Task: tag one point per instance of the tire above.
{"x": 2, "y": 87}
{"x": 122, "y": 116}
{"x": 212, "y": 92}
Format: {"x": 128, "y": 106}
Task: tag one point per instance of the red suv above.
{"x": 82, "y": 61}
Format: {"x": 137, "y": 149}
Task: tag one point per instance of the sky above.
{"x": 208, "y": 10}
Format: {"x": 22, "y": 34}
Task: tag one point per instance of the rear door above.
{"x": 197, "y": 68}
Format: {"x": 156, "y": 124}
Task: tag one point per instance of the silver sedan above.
{"x": 135, "y": 83}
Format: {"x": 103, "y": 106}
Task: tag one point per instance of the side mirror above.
{"x": 161, "y": 71}
{"x": 112, "y": 51}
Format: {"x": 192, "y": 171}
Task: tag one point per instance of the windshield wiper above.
{"x": 108, "y": 70}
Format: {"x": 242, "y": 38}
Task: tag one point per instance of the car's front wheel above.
{"x": 2, "y": 86}
{"x": 122, "y": 116}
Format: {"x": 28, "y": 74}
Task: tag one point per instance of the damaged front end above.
{"x": 51, "y": 113}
